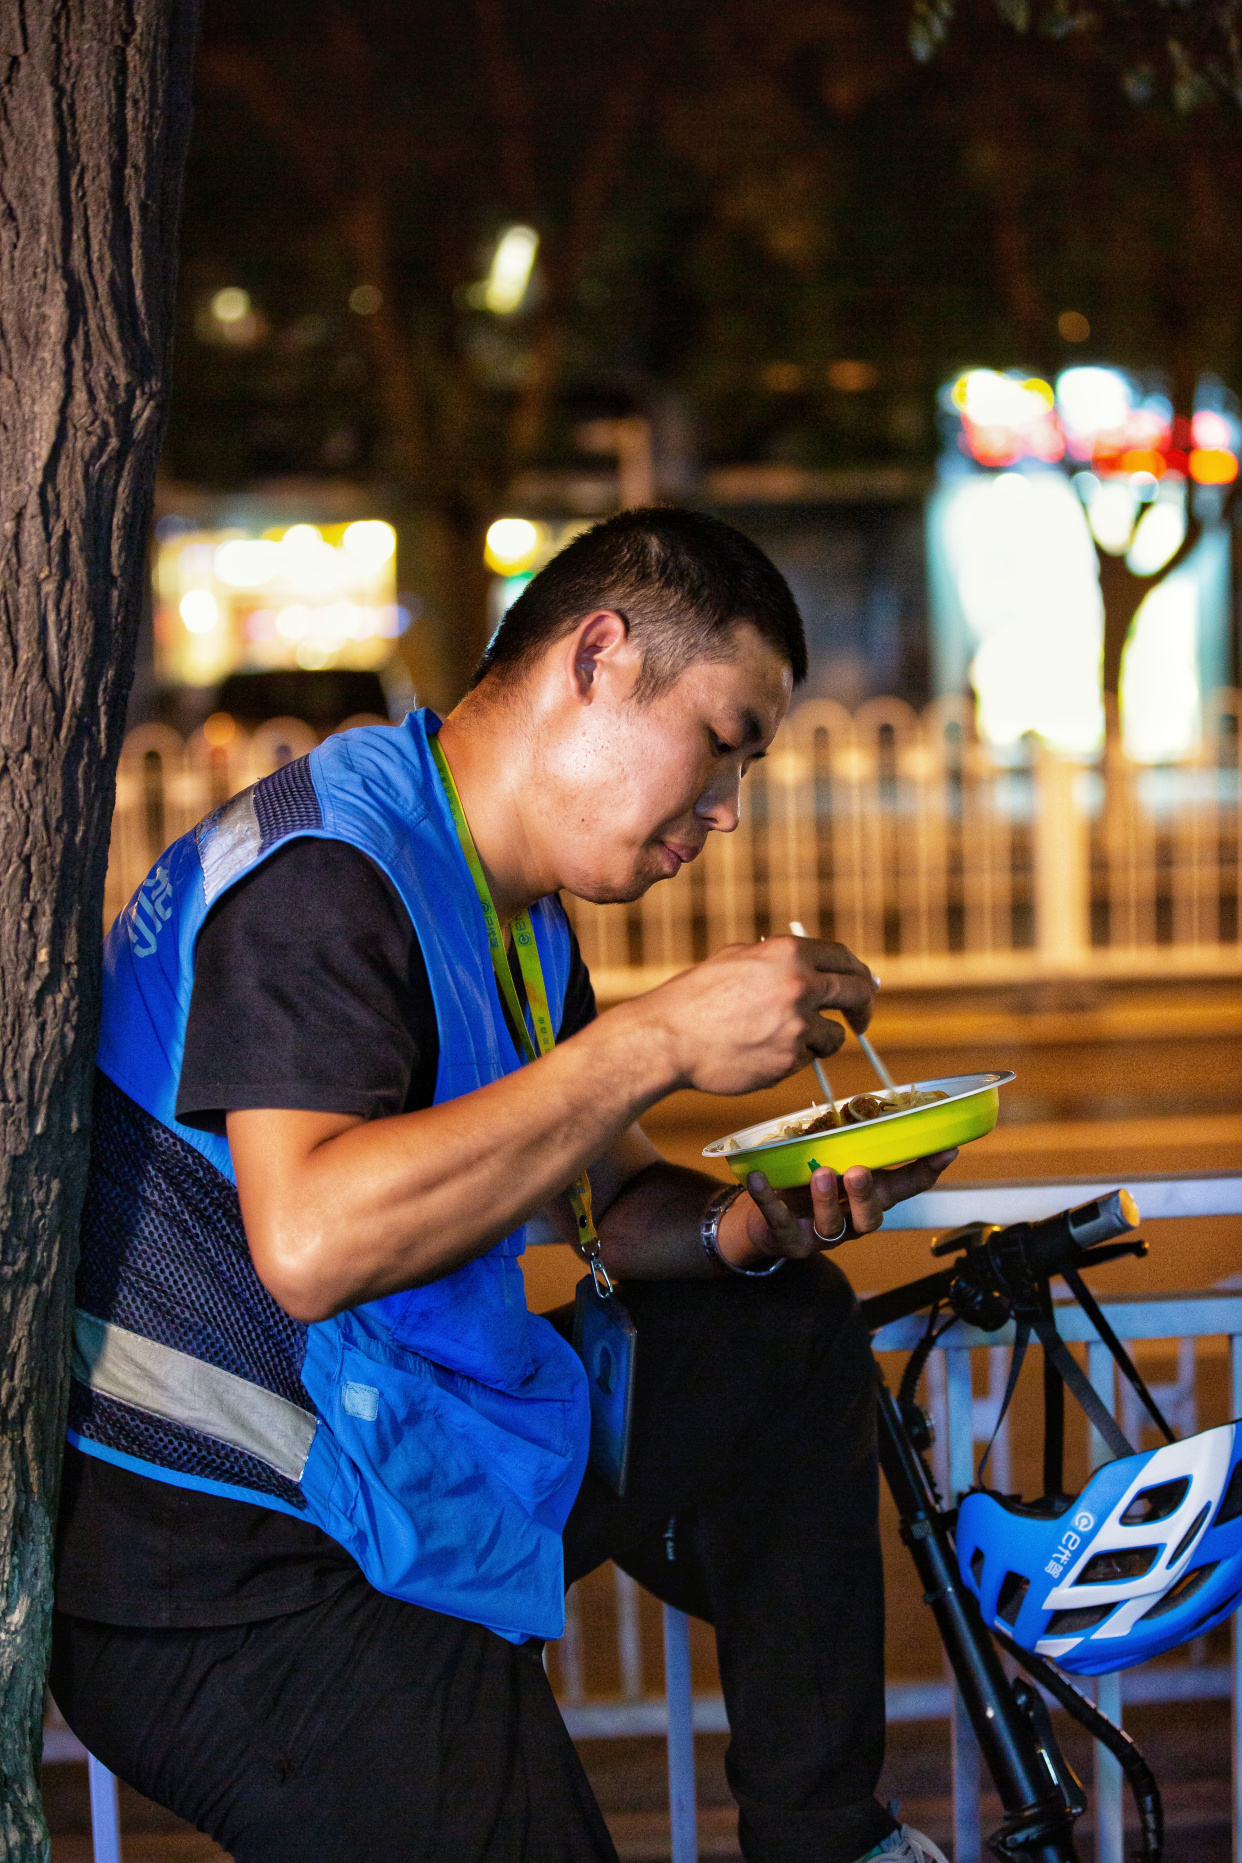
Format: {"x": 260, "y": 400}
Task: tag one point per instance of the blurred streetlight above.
{"x": 509, "y": 277}
{"x": 230, "y": 319}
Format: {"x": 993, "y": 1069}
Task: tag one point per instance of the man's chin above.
{"x": 614, "y": 892}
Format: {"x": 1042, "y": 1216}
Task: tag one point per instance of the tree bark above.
{"x": 94, "y": 121}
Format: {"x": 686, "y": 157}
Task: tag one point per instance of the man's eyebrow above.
{"x": 751, "y": 727}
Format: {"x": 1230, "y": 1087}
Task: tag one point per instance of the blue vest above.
{"x": 440, "y": 1435}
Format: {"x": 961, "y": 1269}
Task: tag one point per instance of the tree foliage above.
{"x": 733, "y": 202}
{"x": 1189, "y": 52}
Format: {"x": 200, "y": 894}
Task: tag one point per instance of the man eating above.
{"x": 327, "y": 1477}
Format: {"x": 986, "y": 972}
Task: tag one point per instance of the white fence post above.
{"x": 1109, "y": 1830}
{"x": 1062, "y": 879}
{"x": 682, "y": 1808}
{"x": 967, "y": 1847}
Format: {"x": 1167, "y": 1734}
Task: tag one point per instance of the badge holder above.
{"x": 606, "y": 1340}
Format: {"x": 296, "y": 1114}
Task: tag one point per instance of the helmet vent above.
{"x": 1221, "y": 1609}
{"x": 1009, "y": 1600}
{"x": 1189, "y": 1534}
{"x": 1185, "y": 1588}
{"x": 1109, "y": 1568}
{"x": 976, "y": 1565}
{"x": 1231, "y": 1506}
{"x": 1066, "y": 1623}
{"x": 1164, "y": 1499}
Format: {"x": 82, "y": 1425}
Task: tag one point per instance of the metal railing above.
{"x": 965, "y": 1420}
{"x": 897, "y": 832}
{"x": 902, "y": 836}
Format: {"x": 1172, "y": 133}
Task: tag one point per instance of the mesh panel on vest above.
{"x": 170, "y": 1445}
{"x": 164, "y": 1252}
{"x": 286, "y": 803}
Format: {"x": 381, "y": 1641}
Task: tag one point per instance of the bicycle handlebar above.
{"x": 995, "y": 1266}
{"x": 1059, "y": 1241}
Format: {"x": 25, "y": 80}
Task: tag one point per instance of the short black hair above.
{"x": 682, "y": 581}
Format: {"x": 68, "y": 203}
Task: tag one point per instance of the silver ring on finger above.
{"x": 838, "y": 1237}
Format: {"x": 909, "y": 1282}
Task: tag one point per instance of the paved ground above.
{"x": 1187, "y": 1745}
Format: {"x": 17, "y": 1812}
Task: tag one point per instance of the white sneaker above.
{"x": 906, "y": 1845}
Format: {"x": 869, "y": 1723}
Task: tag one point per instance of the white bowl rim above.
{"x": 743, "y": 1142}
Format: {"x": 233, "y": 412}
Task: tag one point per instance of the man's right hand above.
{"x": 751, "y": 1014}
{"x": 340, "y": 1210}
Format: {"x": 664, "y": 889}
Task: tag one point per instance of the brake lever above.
{"x": 969, "y": 1236}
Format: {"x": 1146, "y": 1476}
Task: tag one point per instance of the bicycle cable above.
{"x": 1139, "y": 1775}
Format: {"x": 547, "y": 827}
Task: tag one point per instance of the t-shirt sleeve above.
{"x": 579, "y": 994}
{"x": 310, "y": 993}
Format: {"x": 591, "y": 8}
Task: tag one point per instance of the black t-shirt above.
{"x": 310, "y": 992}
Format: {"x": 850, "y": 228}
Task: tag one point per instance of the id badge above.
{"x": 606, "y": 1340}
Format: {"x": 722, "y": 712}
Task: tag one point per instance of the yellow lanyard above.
{"x": 588, "y": 1244}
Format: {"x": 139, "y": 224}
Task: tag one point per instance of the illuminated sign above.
{"x": 1042, "y": 483}
{"x": 1094, "y": 417}
{"x": 309, "y": 596}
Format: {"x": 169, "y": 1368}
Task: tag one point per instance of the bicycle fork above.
{"x": 1039, "y": 1792}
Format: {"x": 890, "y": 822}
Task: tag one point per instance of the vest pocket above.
{"x": 442, "y": 1502}
{"x": 473, "y": 1321}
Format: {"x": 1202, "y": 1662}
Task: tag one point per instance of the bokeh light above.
{"x": 511, "y": 267}
{"x": 200, "y": 611}
{"x": 230, "y": 305}
{"x": 370, "y": 540}
{"x": 511, "y": 545}
{"x": 305, "y": 595}
{"x": 1024, "y": 572}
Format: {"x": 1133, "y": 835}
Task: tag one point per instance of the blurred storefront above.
{"x": 279, "y": 603}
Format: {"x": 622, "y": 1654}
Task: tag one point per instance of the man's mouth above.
{"x": 678, "y": 854}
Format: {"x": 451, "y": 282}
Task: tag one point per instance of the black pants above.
{"x": 367, "y": 1728}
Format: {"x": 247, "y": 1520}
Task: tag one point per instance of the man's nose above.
{"x": 720, "y": 805}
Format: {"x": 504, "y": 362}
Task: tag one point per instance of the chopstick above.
{"x": 885, "y": 1078}
{"x": 825, "y": 1085}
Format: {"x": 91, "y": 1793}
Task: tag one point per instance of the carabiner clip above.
{"x": 600, "y": 1273}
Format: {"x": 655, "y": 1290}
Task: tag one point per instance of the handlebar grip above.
{"x": 1068, "y": 1235}
{"x": 1110, "y": 1216}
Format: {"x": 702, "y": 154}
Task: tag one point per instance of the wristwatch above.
{"x": 722, "y": 1200}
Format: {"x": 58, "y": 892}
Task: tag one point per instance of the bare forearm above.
{"x": 338, "y": 1211}
{"x": 651, "y": 1232}
{"x": 398, "y": 1202}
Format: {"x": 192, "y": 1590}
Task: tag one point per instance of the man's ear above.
{"x": 601, "y": 640}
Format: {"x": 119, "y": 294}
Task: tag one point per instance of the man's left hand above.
{"x": 765, "y": 1224}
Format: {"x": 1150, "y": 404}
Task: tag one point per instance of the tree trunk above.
{"x": 94, "y": 120}
{"x": 1123, "y": 593}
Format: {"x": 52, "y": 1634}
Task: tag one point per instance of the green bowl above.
{"x": 969, "y": 1113}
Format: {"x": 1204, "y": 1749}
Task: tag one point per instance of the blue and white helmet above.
{"x": 1147, "y": 1556}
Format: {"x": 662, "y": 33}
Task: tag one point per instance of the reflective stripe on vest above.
{"x": 181, "y": 1389}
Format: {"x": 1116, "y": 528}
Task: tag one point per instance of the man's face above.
{"x": 640, "y": 784}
